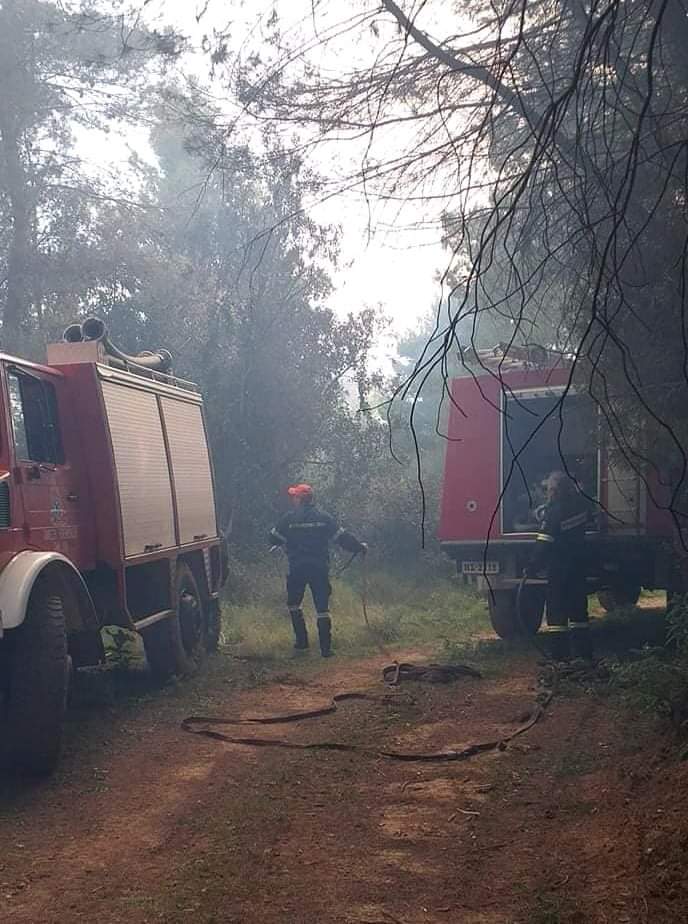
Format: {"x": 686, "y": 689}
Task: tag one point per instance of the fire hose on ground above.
{"x": 206, "y": 726}
{"x": 393, "y": 674}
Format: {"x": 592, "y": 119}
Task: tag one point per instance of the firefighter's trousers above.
{"x": 314, "y": 576}
{"x": 568, "y": 627}
{"x": 317, "y": 577}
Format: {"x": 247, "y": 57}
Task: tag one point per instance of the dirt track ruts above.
{"x": 579, "y": 821}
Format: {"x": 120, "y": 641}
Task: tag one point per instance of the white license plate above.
{"x": 480, "y": 567}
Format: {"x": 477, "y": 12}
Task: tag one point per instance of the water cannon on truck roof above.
{"x": 107, "y": 517}
{"x": 513, "y": 420}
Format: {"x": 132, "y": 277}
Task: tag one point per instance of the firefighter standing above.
{"x": 306, "y": 532}
{"x": 561, "y": 550}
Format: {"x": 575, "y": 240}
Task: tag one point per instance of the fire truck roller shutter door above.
{"x": 143, "y": 477}
{"x": 191, "y": 471}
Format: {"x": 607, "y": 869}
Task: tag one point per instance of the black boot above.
{"x": 300, "y": 631}
{"x": 581, "y": 642}
{"x": 325, "y": 635}
{"x": 557, "y": 645}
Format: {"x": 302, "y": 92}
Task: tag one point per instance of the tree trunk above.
{"x": 15, "y": 81}
{"x": 16, "y": 309}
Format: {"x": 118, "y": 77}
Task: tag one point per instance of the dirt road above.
{"x": 581, "y": 820}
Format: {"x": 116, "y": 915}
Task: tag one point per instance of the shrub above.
{"x": 658, "y": 678}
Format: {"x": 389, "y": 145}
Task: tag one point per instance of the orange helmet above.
{"x": 300, "y": 490}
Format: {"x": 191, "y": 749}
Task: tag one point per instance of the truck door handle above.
{"x": 73, "y": 497}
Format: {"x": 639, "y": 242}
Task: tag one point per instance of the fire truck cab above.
{"x": 508, "y": 430}
{"x": 107, "y": 517}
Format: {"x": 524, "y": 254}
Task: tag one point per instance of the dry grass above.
{"x": 402, "y": 610}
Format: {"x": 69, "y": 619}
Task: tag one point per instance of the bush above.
{"x": 658, "y": 678}
{"x": 261, "y": 578}
{"x": 677, "y": 626}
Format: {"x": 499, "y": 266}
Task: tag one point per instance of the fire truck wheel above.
{"x": 615, "y": 598}
{"x": 175, "y": 645}
{"x": 164, "y": 651}
{"x": 504, "y": 617}
{"x": 35, "y": 694}
{"x": 192, "y": 618}
{"x": 213, "y": 626}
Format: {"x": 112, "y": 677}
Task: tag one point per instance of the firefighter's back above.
{"x": 308, "y": 531}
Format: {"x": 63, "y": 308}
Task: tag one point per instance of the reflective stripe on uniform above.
{"x": 579, "y": 625}
{"x": 277, "y": 535}
{"x": 544, "y": 537}
{"x": 572, "y": 522}
{"x": 314, "y": 525}
{"x": 555, "y": 629}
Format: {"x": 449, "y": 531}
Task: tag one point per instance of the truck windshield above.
{"x": 534, "y": 444}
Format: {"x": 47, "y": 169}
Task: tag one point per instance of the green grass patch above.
{"x": 403, "y": 611}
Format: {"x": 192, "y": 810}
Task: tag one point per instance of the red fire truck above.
{"x": 506, "y": 434}
{"x": 107, "y": 517}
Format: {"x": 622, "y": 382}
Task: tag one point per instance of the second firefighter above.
{"x": 560, "y": 549}
{"x": 305, "y": 533}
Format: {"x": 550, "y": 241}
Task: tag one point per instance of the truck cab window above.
{"x": 33, "y": 408}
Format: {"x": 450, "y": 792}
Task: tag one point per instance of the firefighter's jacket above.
{"x": 561, "y": 540}
{"x": 306, "y": 533}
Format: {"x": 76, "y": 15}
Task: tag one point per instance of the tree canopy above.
{"x": 552, "y": 133}
{"x": 201, "y": 243}
{"x": 547, "y": 138}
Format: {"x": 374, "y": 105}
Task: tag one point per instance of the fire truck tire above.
{"x": 164, "y": 652}
{"x": 192, "y": 616}
{"x": 176, "y": 645}
{"x": 505, "y": 619}
{"x": 213, "y": 625}
{"x": 617, "y": 597}
{"x": 35, "y": 695}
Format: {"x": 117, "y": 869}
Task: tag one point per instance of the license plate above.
{"x": 480, "y": 567}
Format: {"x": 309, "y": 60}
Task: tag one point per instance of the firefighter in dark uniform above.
{"x": 560, "y": 549}
{"x": 306, "y": 533}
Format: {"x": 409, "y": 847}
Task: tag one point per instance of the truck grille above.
{"x": 4, "y": 504}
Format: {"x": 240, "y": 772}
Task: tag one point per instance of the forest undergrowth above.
{"x": 419, "y": 607}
